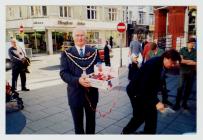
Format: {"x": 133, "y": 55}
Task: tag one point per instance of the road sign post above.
{"x": 121, "y": 27}
{"x": 21, "y": 30}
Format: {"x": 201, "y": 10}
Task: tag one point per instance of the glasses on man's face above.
{"x": 78, "y": 36}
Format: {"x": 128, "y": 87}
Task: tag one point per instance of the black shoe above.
{"x": 25, "y": 89}
{"x": 176, "y": 107}
{"x": 139, "y": 133}
{"x": 124, "y": 132}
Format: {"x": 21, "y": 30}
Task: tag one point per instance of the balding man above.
{"x": 76, "y": 62}
{"x": 17, "y": 57}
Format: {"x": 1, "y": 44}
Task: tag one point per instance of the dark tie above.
{"x": 81, "y": 53}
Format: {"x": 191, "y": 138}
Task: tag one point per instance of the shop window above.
{"x": 65, "y": 11}
{"x": 91, "y": 12}
{"x": 93, "y": 37}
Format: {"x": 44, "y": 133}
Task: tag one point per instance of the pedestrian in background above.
{"x": 187, "y": 72}
{"x": 76, "y": 63}
{"x": 19, "y": 65}
{"x": 111, "y": 41}
{"x": 135, "y": 51}
{"x": 146, "y": 50}
{"x": 143, "y": 90}
{"x": 107, "y": 50}
{"x": 135, "y": 46}
{"x": 154, "y": 51}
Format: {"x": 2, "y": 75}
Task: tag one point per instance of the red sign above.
{"x": 21, "y": 29}
{"x": 121, "y": 27}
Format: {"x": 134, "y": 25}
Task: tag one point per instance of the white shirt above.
{"x": 78, "y": 49}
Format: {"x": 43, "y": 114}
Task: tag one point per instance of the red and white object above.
{"x": 104, "y": 77}
{"x": 121, "y": 27}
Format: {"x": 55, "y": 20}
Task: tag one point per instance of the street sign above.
{"x": 121, "y": 27}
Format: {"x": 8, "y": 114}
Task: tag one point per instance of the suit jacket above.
{"x": 106, "y": 53}
{"x": 16, "y": 62}
{"x": 147, "y": 82}
{"x": 70, "y": 74}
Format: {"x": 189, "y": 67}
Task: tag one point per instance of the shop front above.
{"x": 49, "y": 35}
{"x": 60, "y": 38}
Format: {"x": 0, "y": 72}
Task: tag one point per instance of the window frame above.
{"x": 66, "y": 12}
{"x": 112, "y": 15}
{"x": 141, "y": 17}
{"x": 38, "y": 11}
{"x": 91, "y": 12}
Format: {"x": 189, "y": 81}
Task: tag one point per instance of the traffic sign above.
{"x": 121, "y": 27}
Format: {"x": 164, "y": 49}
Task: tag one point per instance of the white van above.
{"x": 8, "y": 45}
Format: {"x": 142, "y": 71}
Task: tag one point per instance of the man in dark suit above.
{"x": 17, "y": 57}
{"x": 107, "y": 50}
{"x": 143, "y": 89}
{"x": 76, "y": 62}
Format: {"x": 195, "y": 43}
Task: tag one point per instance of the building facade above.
{"x": 175, "y": 24}
{"x": 140, "y": 19}
{"x": 45, "y": 28}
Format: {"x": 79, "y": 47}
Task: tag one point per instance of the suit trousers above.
{"x": 78, "y": 114}
{"x": 143, "y": 112}
{"x": 15, "y": 74}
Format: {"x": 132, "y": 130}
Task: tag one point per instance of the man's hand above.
{"x": 160, "y": 106}
{"x": 188, "y": 62}
{"x": 84, "y": 82}
{"x": 134, "y": 59}
{"x": 191, "y": 62}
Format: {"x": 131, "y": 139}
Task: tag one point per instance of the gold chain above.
{"x": 82, "y": 68}
{"x": 81, "y": 58}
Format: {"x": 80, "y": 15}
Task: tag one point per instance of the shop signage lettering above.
{"x": 81, "y": 23}
{"x": 65, "y": 22}
{"x": 37, "y": 22}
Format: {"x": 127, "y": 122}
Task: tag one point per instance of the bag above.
{"x": 13, "y": 101}
{"x": 26, "y": 61}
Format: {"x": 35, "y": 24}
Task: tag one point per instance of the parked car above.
{"x": 8, "y": 61}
